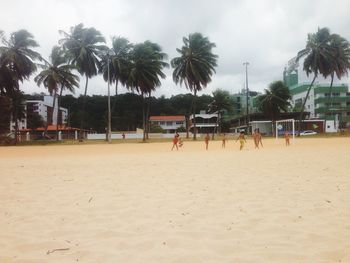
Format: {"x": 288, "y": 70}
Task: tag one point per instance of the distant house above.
{"x": 169, "y": 123}
{"x": 205, "y": 123}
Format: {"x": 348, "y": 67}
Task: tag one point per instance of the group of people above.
{"x": 257, "y": 137}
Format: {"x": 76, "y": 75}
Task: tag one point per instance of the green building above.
{"x": 320, "y": 103}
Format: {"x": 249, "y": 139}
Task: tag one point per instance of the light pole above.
{"x": 109, "y": 135}
{"x": 246, "y": 64}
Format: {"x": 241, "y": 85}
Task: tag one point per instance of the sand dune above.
{"x": 144, "y": 203}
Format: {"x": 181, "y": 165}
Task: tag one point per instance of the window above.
{"x": 335, "y": 94}
{"x": 169, "y": 123}
{"x": 161, "y": 123}
{"x": 179, "y": 123}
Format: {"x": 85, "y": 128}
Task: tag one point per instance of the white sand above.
{"x": 144, "y": 203}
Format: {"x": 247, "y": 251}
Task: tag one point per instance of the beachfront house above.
{"x": 170, "y": 124}
{"x": 205, "y": 123}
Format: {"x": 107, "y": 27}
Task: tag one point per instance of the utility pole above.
{"x": 246, "y": 64}
{"x": 109, "y": 135}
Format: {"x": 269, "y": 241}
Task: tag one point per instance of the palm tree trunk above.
{"x": 187, "y": 126}
{"x": 52, "y": 114}
{"x": 58, "y": 112}
{"x": 329, "y": 97}
{"x": 302, "y": 108}
{"x": 147, "y": 116}
{"x": 143, "y": 118}
{"x": 83, "y": 109}
{"x": 194, "y": 114}
{"x": 16, "y": 126}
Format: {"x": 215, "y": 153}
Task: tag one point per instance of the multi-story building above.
{"x": 320, "y": 103}
{"x": 205, "y": 123}
{"x": 43, "y": 108}
{"x": 240, "y": 102}
{"x": 169, "y": 123}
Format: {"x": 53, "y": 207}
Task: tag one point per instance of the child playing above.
{"x": 256, "y": 138}
{"x": 224, "y": 141}
{"x": 286, "y": 137}
{"x": 175, "y": 141}
{"x": 241, "y": 139}
{"x": 206, "y": 139}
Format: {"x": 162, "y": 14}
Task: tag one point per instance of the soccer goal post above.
{"x": 283, "y": 126}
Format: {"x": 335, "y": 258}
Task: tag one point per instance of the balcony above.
{"x": 333, "y": 99}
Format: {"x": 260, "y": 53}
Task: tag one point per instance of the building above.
{"x": 320, "y": 103}
{"x": 240, "y": 102}
{"x": 170, "y": 124}
{"x": 43, "y": 108}
{"x": 205, "y": 123}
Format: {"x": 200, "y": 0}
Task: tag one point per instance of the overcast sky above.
{"x": 267, "y": 33}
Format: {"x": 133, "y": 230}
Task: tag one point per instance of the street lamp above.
{"x": 109, "y": 132}
{"x": 246, "y": 64}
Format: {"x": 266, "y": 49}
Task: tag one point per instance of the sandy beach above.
{"x": 144, "y": 203}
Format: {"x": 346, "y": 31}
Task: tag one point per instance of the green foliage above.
{"x": 275, "y": 100}
{"x": 181, "y": 129}
{"x": 84, "y": 48}
{"x": 34, "y": 120}
{"x": 154, "y": 128}
{"x": 5, "y": 113}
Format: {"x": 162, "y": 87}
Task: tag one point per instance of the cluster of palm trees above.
{"x": 325, "y": 54}
{"x": 138, "y": 67}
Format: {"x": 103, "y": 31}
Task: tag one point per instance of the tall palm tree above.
{"x": 318, "y": 60}
{"x": 146, "y": 70}
{"x": 195, "y": 66}
{"x": 84, "y": 47}
{"x": 117, "y": 60}
{"x": 221, "y": 101}
{"x": 275, "y": 100}
{"x": 16, "y": 64}
{"x": 56, "y": 76}
{"x": 340, "y": 61}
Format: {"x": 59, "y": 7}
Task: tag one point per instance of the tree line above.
{"x": 139, "y": 67}
{"x": 82, "y": 52}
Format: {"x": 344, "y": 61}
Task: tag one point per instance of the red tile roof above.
{"x": 167, "y": 118}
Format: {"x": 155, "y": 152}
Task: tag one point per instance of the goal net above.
{"x": 283, "y": 126}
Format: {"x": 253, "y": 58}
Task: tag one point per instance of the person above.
{"x": 241, "y": 139}
{"x": 286, "y": 137}
{"x": 224, "y": 141}
{"x": 180, "y": 142}
{"x": 206, "y": 139}
{"x": 123, "y": 135}
{"x": 256, "y": 138}
{"x": 260, "y": 139}
{"x": 175, "y": 141}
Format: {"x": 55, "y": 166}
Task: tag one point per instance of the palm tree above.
{"x": 117, "y": 60}
{"x": 275, "y": 100}
{"x": 340, "y": 60}
{"x": 84, "y": 49}
{"x": 147, "y": 63}
{"x": 56, "y": 76}
{"x": 221, "y": 101}
{"x": 16, "y": 65}
{"x": 318, "y": 60}
{"x": 195, "y": 66}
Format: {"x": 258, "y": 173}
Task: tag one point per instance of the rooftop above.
{"x": 167, "y": 118}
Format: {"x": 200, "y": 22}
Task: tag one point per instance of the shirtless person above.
{"x": 241, "y": 139}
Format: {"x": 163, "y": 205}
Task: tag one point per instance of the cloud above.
{"x": 265, "y": 33}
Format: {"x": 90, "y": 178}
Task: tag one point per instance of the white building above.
{"x": 169, "y": 123}
{"x": 44, "y": 108}
{"x": 205, "y": 123}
